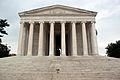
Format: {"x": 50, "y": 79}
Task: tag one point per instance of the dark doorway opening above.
{"x": 58, "y": 45}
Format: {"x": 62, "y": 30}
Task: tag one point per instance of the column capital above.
{"x": 22, "y": 22}
{"x": 63, "y": 22}
{"x": 31, "y": 22}
{"x": 52, "y": 22}
{"x": 93, "y": 22}
{"x": 83, "y": 22}
{"x": 41, "y": 21}
{"x": 73, "y": 21}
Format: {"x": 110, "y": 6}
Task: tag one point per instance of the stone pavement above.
{"x": 59, "y": 68}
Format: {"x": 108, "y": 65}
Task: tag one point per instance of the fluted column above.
{"x": 94, "y": 39}
{"x": 74, "y": 39}
{"x": 30, "y": 40}
{"x": 63, "y": 45}
{"x": 84, "y": 39}
{"x": 40, "y": 46}
{"x": 51, "y": 45}
{"x": 19, "y": 51}
{"x": 23, "y": 41}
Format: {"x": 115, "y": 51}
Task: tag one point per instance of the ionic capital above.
{"x": 73, "y": 21}
{"x": 93, "y": 22}
{"x": 31, "y": 22}
{"x": 63, "y": 22}
{"x": 83, "y": 22}
{"x": 22, "y": 22}
{"x": 41, "y": 22}
{"x": 51, "y": 22}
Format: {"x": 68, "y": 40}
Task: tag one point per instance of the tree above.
{"x": 4, "y": 50}
{"x": 3, "y": 25}
{"x": 113, "y": 49}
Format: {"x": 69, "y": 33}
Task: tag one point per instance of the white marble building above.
{"x": 57, "y": 30}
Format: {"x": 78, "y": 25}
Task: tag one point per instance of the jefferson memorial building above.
{"x": 57, "y": 30}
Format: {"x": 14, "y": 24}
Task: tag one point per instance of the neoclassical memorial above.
{"x": 57, "y": 30}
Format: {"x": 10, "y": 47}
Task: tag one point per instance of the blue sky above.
{"x": 107, "y": 19}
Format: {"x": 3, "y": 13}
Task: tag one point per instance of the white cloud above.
{"x": 109, "y": 12}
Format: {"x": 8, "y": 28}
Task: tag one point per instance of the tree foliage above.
{"x": 113, "y": 49}
{"x": 4, "y": 50}
{"x": 3, "y": 25}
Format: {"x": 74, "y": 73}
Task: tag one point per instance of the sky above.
{"x": 107, "y": 19}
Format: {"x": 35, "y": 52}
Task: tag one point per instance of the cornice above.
{"x": 82, "y": 11}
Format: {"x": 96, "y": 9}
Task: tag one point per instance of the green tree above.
{"x": 3, "y": 25}
{"x": 113, "y": 49}
{"x": 4, "y": 50}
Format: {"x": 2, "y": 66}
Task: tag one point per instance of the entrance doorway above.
{"x": 57, "y": 45}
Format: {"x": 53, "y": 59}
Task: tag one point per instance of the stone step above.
{"x": 59, "y": 76}
{"x": 59, "y": 68}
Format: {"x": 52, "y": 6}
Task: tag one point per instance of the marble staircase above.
{"x": 59, "y": 68}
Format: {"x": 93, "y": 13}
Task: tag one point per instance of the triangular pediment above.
{"x": 57, "y": 10}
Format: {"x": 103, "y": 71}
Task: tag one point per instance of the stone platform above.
{"x": 59, "y": 68}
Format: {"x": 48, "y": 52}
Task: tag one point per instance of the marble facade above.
{"x": 57, "y": 30}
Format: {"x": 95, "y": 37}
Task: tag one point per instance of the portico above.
{"x": 57, "y": 31}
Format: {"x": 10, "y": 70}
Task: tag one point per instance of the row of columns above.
{"x": 63, "y": 44}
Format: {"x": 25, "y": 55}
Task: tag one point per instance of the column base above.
{"x": 51, "y": 55}
{"x": 29, "y": 55}
{"x": 39, "y": 54}
{"x": 74, "y": 55}
{"x": 95, "y": 54}
{"x": 85, "y": 55}
{"x": 62, "y": 55}
{"x": 19, "y": 55}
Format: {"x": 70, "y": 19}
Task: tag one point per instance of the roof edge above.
{"x": 53, "y": 6}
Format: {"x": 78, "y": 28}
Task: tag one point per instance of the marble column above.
{"x": 89, "y": 39}
{"x": 30, "y": 40}
{"x": 63, "y": 45}
{"x": 19, "y": 52}
{"x": 23, "y": 41}
{"x": 84, "y": 39}
{"x": 51, "y": 44}
{"x": 26, "y": 38}
{"x": 93, "y": 39}
{"x": 40, "y": 46}
{"x": 74, "y": 39}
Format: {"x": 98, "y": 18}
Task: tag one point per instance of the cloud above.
{"x": 109, "y": 12}
{"x": 107, "y": 19}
